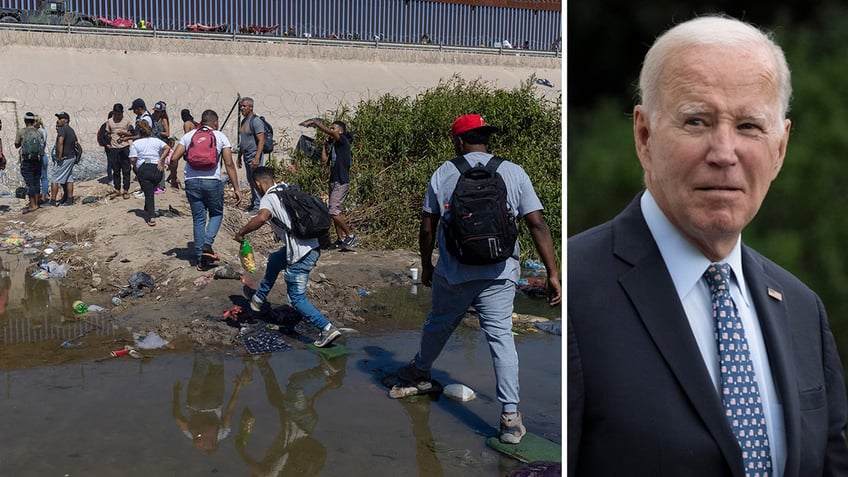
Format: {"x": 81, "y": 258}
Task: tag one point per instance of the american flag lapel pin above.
{"x": 775, "y": 294}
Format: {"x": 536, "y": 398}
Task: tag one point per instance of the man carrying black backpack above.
{"x": 470, "y": 274}
{"x": 297, "y": 257}
{"x": 29, "y": 140}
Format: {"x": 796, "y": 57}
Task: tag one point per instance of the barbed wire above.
{"x": 89, "y": 101}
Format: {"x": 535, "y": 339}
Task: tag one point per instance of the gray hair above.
{"x": 247, "y": 100}
{"x": 714, "y": 31}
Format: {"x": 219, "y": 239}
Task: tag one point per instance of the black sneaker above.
{"x": 203, "y": 265}
{"x": 411, "y": 374}
{"x": 349, "y": 242}
{"x": 335, "y": 245}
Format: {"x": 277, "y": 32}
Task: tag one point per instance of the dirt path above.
{"x": 188, "y": 303}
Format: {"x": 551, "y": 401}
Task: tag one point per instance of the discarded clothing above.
{"x": 258, "y": 340}
{"x": 139, "y": 280}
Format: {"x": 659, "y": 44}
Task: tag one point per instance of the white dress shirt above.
{"x": 686, "y": 265}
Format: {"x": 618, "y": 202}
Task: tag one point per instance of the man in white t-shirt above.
{"x": 297, "y": 256}
{"x": 205, "y": 189}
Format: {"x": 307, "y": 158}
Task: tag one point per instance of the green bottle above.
{"x": 80, "y": 307}
{"x": 246, "y": 255}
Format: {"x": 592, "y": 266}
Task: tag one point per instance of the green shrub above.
{"x": 400, "y": 141}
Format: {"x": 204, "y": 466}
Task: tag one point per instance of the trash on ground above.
{"x": 68, "y": 344}
{"x": 149, "y": 341}
{"x": 552, "y": 327}
{"x": 348, "y": 331}
{"x": 96, "y": 308}
{"x": 544, "y": 82}
{"x": 226, "y": 271}
{"x": 258, "y": 339}
{"x": 139, "y": 280}
{"x": 459, "y": 392}
{"x": 199, "y": 281}
{"x": 237, "y": 313}
{"x": 90, "y": 199}
{"x": 51, "y": 270}
{"x": 363, "y": 292}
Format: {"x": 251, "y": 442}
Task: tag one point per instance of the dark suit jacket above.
{"x": 640, "y": 399}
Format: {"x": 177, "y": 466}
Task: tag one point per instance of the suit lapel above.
{"x": 649, "y": 286}
{"x": 767, "y": 296}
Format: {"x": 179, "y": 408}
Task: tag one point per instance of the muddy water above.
{"x": 291, "y": 413}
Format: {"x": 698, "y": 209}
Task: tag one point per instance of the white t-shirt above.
{"x": 146, "y": 150}
{"x": 297, "y": 247}
{"x": 221, "y": 142}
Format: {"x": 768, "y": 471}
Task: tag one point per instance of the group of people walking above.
{"x": 32, "y": 142}
{"x": 142, "y": 145}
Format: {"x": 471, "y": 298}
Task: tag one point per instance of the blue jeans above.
{"x": 205, "y": 195}
{"x": 493, "y": 300}
{"x": 297, "y": 276}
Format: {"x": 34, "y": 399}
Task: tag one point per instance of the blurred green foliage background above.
{"x": 803, "y": 224}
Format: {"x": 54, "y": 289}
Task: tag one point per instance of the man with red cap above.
{"x": 490, "y": 287}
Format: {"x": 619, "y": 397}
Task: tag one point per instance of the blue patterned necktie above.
{"x": 739, "y": 389}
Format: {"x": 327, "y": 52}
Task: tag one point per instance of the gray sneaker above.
{"x": 327, "y": 337}
{"x": 411, "y": 374}
{"x": 512, "y": 430}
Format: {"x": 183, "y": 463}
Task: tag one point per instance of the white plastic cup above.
{"x": 413, "y": 289}
{"x": 413, "y": 273}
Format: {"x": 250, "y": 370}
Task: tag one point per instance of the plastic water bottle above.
{"x": 80, "y": 307}
{"x": 528, "y": 263}
{"x": 246, "y": 256}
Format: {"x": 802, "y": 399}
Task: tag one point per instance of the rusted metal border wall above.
{"x": 387, "y": 20}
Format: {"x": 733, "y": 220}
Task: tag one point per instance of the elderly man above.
{"x": 689, "y": 353}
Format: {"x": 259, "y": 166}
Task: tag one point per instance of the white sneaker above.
{"x": 256, "y": 304}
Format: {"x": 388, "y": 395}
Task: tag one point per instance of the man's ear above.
{"x": 642, "y": 135}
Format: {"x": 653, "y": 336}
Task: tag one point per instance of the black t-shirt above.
{"x": 70, "y": 140}
{"x": 341, "y": 156}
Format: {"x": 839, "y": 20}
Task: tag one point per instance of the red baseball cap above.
{"x": 467, "y": 122}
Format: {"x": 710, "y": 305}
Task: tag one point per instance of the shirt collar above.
{"x": 685, "y": 263}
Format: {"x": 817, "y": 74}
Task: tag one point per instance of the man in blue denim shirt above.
{"x": 297, "y": 257}
{"x": 205, "y": 190}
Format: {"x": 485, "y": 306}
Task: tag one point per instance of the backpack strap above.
{"x": 462, "y": 164}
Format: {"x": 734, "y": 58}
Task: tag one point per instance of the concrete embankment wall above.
{"x": 85, "y": 74}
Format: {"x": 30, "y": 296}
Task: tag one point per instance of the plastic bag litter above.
{"x": 459, "y": 392}
{"x": 227, "y": 271}
{"x": 552, "y": 327}
{"x": 51, "y": 270}
{"x": 149, "y": 341}
{"x": 139, "y": 280}
{"x": 96, "y": 308}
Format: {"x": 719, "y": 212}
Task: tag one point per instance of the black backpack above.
{"x": 268, "y": 147}
{"x": 310, "y": 217}
{"x": 103, "y": 136}
{"x": 479, "y": 225}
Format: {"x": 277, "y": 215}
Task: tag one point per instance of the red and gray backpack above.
{"x": 202, "y": 152}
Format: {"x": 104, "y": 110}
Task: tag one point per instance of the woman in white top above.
{"x": 149, "y": 154}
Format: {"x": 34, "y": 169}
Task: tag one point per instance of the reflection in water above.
{"x": 425, "y": 445}
{"x": 294, "y": 451}
{"x": 207, "y": 423}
